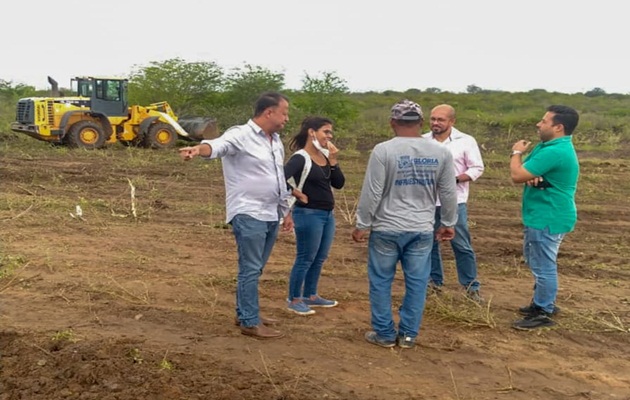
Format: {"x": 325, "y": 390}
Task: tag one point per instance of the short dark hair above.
{"x": 565, "y": 116}
{"x": 268, "y": 100}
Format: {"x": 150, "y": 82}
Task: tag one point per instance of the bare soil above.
{"x": 114, "y": 305}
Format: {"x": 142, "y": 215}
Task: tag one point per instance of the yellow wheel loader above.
{"x": 99, "y": 114}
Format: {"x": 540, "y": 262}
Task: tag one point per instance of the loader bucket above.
{"x": 200, "y": 128}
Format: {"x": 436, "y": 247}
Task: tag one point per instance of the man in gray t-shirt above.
{"x": 404, "y": 177}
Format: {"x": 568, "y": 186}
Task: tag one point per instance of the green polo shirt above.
{"x": 552, "y": 207}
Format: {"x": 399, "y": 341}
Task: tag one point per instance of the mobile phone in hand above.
{"x": 543, "y": 184}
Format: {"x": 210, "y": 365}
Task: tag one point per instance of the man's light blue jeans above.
{"x": 540, "y": 249}
{"x": 254, "y": 241}
{"x": 413, "y": 250}
{"x": 314, "y": 233}
{"x": 465, "y": 259}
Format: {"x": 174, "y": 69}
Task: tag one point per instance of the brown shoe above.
{"x": 261, "y": 332}
{"x": 263, "y": 320}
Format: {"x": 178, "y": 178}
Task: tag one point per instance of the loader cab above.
{"x": 107, "y": 95}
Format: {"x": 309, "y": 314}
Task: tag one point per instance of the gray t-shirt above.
{"x": 404, "y": 177}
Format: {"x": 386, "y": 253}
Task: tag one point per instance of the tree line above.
{"x": 206, "y": 89}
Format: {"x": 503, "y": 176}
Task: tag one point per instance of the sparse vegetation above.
{"x": 66, "y": 335}
{"x": 165, "y": 364}
{"x": 457, "y": 309}
{"x": 131, "y": 285}
{"x": 9, "y": 265}
{"x": 135, "y": 356}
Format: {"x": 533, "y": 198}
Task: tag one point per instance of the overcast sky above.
{"x": 565, "y": 46}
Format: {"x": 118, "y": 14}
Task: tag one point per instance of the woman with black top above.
{"x": 313, "y": 212}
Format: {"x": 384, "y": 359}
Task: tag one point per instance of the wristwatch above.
{"x": 515, "y": 152}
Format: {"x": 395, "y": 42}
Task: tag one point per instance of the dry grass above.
{"x": 457, "y": 309}
{"x": 596, "y": 321}
{"x": 347, "y": 208}
{"x": 135, "y": 292}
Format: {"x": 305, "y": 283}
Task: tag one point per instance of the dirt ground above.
{"x": 135, "y": 299}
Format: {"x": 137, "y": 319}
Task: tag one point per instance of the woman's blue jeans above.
{"x": 540, "y": 250}
{"x": 254, "y": 241}
{"x": 314, "y": 233}
{"x": 413, "y": 250}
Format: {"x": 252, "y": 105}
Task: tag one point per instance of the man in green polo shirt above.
{"x": 550, "y": 173}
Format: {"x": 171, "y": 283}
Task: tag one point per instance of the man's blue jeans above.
{"x": 465, "y": 259}
{"x": 254, "y": 240}
{"x": 314, "y": 232}
{"x": 413, "y": 250}
{"x": 540, "y": 249}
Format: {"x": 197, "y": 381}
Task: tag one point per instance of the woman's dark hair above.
{"x": 299, "y": 141}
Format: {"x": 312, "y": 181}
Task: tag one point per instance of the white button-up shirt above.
{"x": 253, "y": 171}
{"x": 466, "y": 157}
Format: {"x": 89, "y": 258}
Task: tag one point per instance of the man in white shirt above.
{"x": 468, "y": 168}
{"x": 256, "y": 199}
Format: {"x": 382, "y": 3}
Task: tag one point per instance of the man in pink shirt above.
{"x": 468, "y": 167}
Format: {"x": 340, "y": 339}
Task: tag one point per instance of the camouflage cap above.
{"x": 407, "y": 110}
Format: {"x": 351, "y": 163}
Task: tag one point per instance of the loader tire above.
{"x": 160, "y": 136}
{"x": 86, "y": 135}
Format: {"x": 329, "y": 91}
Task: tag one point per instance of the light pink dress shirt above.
{"x": 467, "y": 159}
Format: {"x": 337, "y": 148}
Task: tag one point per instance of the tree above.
{"x": 244, "y": 85}
{"x": 328, "y": 96}
{"x": 189, "y": 87}
{"x": 473, "y": 89}
{"x": 595, "y": 92}
{"x": 10, "y": 91}
{"x": 433, "y": 90}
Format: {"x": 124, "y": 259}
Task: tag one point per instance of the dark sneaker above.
{"x": 534, "y": 309}
{"x": 533, "y": 322}
{"x": 474, "y": 295}
{"x": 300, "y": 308}
{"x": 405, "y": 342}
{"x": 434, "y": 288}
{"x": 374, "y": 338}
{"x": 319, "y": 302}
